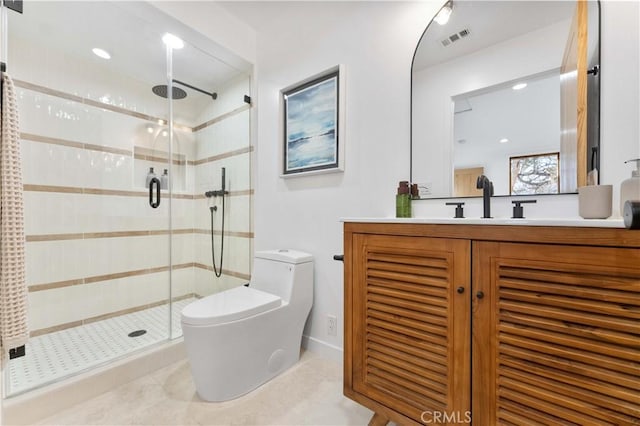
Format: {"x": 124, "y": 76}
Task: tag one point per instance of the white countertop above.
{"x": 576, "y": 222}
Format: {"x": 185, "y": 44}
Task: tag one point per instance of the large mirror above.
{"x": 508, "y": 89}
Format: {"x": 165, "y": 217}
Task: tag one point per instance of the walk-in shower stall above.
{"x": 115, "y": 174}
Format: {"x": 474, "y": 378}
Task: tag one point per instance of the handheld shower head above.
{"x": 223, "y": 179}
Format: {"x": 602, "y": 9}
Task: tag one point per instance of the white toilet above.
{"x": 240, "y": 338}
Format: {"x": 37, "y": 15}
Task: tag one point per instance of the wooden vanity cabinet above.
{"x": 495, "y": 324}
{"x": 408, "y": 315}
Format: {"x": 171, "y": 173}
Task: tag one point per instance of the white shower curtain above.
{"x": 14, "y": 330}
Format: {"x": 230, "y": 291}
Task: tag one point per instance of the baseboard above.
{"x": 36, "y": 405}
{"x": 322, "y": 348}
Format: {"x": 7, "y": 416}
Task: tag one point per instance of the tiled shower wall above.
{"x": 94, "y": 246}
{"x": 224, "y": 141}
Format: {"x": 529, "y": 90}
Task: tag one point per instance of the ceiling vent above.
{"x": 455, "y": 37}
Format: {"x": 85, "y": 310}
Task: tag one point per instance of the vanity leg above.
{"x": 378, "y": 420}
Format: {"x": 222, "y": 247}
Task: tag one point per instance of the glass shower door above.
{"x": 120, "y": 235}
{"x": 95, "y": 145}
{"x": 212, "y": 121}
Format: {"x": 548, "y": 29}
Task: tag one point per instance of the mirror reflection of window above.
{"x": 534, "y": 174}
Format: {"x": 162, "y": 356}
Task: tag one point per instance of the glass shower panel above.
{"x": 212, "y": 131}
{"x": 92, "y": 131}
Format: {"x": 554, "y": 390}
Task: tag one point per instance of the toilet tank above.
{"x": 285, "y": 273}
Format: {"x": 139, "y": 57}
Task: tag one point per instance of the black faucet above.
{"x": 487, "y": 191}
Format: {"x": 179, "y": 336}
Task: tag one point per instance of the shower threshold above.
{"x": 54, "y": 356}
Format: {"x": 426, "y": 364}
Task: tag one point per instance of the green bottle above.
{"x": 403, "y": 200}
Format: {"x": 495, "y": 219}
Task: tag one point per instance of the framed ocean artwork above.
{"x": 312, "y": 141}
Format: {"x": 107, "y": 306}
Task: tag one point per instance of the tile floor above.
{"x": 310, "y": 393}
{"x": 53, "y": 356}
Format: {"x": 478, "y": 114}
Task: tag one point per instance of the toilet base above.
{"x": 230, "y": 360}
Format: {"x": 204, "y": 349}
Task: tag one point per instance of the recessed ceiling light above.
{"x": 149, "y": 128}
{"x": 172, "y": 41}
{"x": 504, "y": 140}
{"x": 519, "y": 86}
{"x": 101, "y": 53}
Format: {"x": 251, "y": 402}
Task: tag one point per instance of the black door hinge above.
{"x": 15, "y": 5}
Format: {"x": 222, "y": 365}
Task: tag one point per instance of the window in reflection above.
{"x": 534, "y": 174}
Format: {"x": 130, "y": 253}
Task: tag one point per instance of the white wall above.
{"x": 620, "y": 104}
{"x": 375, "y": 41}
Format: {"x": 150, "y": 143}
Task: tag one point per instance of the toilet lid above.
{"x": 229, "y": 305}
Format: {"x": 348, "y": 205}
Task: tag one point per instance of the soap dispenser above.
{"x": 164, "y": 180}
{"x": 630, "y": 188}
{"x": 150, "y": 176}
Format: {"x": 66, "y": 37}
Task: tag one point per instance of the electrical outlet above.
{"x": 332, "y": 325}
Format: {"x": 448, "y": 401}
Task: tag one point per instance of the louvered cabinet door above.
{"x": 556, "y": 335}
{"x": 410, "y": 336}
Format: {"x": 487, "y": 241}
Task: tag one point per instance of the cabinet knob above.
{"x": 460, "y": 290}
{"x": 480, "y": 295}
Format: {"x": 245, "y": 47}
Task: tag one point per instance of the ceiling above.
{"x": 266, "y": 15}
{"x": 489, "y": 22}
{"x": 132, "y": 33}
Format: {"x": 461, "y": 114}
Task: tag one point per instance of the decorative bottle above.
{"x": 150, "y": 176}
{"x": 403, "y": 200}
{"x": 164, "y": 180}
{"x": 630, "y": 188}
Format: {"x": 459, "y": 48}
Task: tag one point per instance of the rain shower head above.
{"x": 162, "y": 91}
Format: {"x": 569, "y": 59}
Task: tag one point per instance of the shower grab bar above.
{"x": 156, "y": 182}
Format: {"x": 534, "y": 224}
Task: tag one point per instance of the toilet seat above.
{"x": 229, "y": 305}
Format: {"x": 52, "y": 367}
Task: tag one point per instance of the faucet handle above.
{"x": 518, "y": 210}
{"x": 459, "y": 210}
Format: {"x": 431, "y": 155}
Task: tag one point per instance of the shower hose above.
{"x": 213, "y": 256}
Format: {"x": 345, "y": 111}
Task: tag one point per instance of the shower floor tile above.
{"x": 53, "y": 356}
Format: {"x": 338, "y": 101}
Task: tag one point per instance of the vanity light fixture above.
{"x": 172, "y": 41}
{"x": 444, "y": 14}
{"x": 503, "y": 140}
{"x": 519, "y": 86}
{"x": 101, "y": 53}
